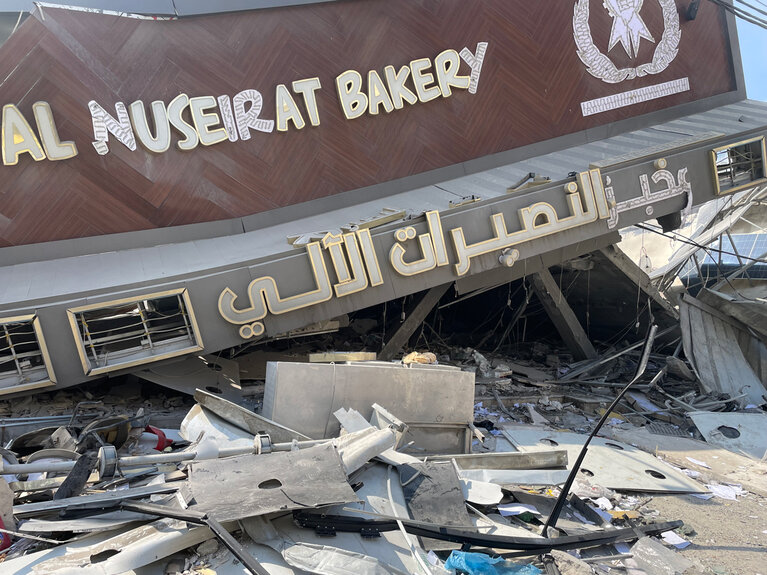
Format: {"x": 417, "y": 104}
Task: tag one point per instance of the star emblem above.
{"x": 628, "y": 26}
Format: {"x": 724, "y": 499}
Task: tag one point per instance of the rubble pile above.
{"x": 485, "y": 459}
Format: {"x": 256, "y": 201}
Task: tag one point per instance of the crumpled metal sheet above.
{"x": 711, "y": 343}
{"x": 608, "y": 463}
{"x": 391, "y": 549}
{"x": 736, "y": 432}
{"x": 250, "y": 485}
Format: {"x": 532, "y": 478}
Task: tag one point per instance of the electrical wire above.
{"x": 752, "y": 7}
{"x": 692, "y": 242}
{"x": 709, "y": 251}
{"x": 742, "y": 14}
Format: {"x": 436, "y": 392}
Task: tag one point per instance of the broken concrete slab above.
{"x": 428, "y": 394}
{"x": 328, "y": 560}
{"x": 527, "y": 371}
{"x": 202, "y": 421}
{"x": 391, "y": 547}
{"x": 6, "y": 505}
{"x": 744, "y": 433}
{"x": 112, "y": 553}
{"x": 746, "y": 307}
{"x": 434, "y": 494}
{"x": 212, "y": 373}
{"x": 570, "y": 565}
{"x": 223, "y": 562}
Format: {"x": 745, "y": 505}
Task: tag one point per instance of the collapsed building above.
{"x": 280, "y": 200}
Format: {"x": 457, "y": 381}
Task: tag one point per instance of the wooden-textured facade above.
{"x": 531, "y": 89}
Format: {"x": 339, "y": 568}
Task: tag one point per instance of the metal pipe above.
{"x": 146, "y": 460}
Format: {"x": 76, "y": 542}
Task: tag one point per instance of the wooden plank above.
{"x": 562, "y": 316}
{"x": 411, "y": 323}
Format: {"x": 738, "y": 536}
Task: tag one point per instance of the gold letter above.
{"x": 287, "y": 110}
{"x": 446, "y": 66}
{"x": 55, "y": 149}
{"x": 353, "y": 101}
{"x": 307, "y": 88}
{"x": 175, "y": 113}
{"x": 399, "y": 92}
{"x": 422, "y": 79}
{"x": 377, "y": 94}
{"x": 160, "y": 142}
{"x": 203, "y": 121}
{"x": 18, "y": 137}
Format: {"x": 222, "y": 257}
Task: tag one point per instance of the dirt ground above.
{"x": 730, "y": 536}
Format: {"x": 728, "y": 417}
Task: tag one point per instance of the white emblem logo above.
{"x": 628, "y": 30}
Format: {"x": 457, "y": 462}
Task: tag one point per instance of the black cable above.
{"x": 708, "y": 253}
{"x": 692, "y": 242}
{"x": 742, "y": 14}
{"x": 753, "y": 7}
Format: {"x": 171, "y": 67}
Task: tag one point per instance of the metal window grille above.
{"x": 117, "y": 335}
{"x": 740, "y": 165}
{"x": 22, "y": 355}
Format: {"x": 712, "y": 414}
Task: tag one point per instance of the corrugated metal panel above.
{"x": 728, "y": 119}
{"x": 711, "y": 344}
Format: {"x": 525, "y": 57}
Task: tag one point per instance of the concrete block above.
{"x": 303, "y": 396}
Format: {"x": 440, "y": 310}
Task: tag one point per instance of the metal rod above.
{"x": 551, "y": 521}
{"x": 581, "y": 370}
{"x": 142, "y": 460}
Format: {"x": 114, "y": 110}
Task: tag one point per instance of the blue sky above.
{"x": 753, "y": 49}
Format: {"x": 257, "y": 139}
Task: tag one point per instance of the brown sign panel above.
{"x": 486, "y": 75}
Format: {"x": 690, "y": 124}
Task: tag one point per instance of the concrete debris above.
{"x": 655, "y": 559}
{"x": 569, "y": 564}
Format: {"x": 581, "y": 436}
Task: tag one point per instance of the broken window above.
{"x": 24, "y": 360}
{"x": 124, "y": 333}
{"x": 739, "y": 166}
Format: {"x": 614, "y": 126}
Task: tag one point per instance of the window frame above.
{"x": 86, "y": 361}
{"x": 34, "y": 320}
{"x": 752, "y": 183}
